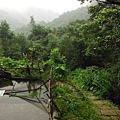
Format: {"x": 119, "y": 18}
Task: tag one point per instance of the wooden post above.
{"x": 12, "y": 90}
{"x": 49, "y": 93}
{"x": 28, "y": 70}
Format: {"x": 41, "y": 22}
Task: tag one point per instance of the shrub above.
{"x": 102, "y": 82}
{"x": 73, "y": 106}
{"x": 114, "y": 91}
{"x": 91, "y": 79}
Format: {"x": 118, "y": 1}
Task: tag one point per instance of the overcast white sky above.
{"x": 59, "y": 6}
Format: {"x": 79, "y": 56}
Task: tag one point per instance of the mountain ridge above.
{"x": 67, "y": 17}
{"x": 16, "y": 19}
{"x": 20, "y": 21}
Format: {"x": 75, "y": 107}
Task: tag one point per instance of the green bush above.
{"x": 73, "y": 105}
{"x": 91, "y": 79}
{"x": 102, "y": 82}
{"x": 14, "y": 66}
{"x": 57, "y": 63}
{"x": 114, "y": 91}
{"x": 10, "y": 63}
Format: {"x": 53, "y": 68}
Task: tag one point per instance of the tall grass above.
{"x": 102, "y": 82}
{"x": 91, "y": 79}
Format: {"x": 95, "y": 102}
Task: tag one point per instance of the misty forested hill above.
{"x": 64, "y": 19}
{"x": 41, "y": 14}
{"x": 20, "y": 21}
{"x": 16, "y": 19}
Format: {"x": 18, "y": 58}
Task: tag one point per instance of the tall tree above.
{"x": 102, "y": 37}
{"x": 6, "y": 36}
{"x": 72, "y": 45}
{"x": 115, "y": 2}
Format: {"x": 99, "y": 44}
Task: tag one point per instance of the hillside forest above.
{"x": 84, "y": 54}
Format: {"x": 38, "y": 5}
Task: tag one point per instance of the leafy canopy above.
{"x": 116, "y": 2}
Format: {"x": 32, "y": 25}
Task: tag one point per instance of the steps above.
{"x": 104, "y": 108}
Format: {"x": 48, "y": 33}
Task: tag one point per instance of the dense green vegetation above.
{"x": 114, "y": 2}
{"x": 85, "y": 54}
{"x": 74, "y": 105}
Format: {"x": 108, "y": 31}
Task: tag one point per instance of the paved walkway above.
{"x": 13, "y": 108}
{"x": 104, "y": 108}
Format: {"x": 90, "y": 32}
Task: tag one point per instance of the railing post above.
{"x": 49, "y": 93}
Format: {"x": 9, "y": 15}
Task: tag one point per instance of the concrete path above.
{"x": 13, "y": 108}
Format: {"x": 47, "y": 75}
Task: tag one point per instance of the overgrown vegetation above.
{"x": 73, "y": 105}
{"x": 84, "y": 53}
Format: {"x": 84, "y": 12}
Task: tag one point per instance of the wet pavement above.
{"x": 13, "y": 108}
